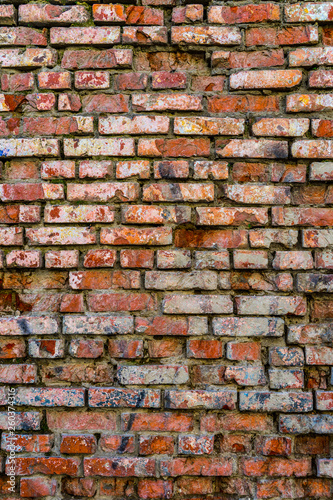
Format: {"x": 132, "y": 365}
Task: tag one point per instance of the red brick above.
{"x": 170, "y": 422}
{"x": 167, "y": 80}
{"x": 134, "y": 236}
{"x": 279, "y": 79}
{"x": 37, "y": 487}
{"x": 244, "y": 14}
{"x": 119, "y": 444}
{"x": 7, "y": 14}
{"x": 292, "y": 35}
{"x": 193, "y": 486}
{"x": 145, "y": 35}
{"x": 96, "y": 59}
{"x": 164, "y": 348}
{"x": 121, "y": 302}
{"x": 24, "y": 258}
{"x": 312, "y": 445}
{"x": 208, "y": 83}
{"x": 72, "y": 303}
{"x": 252, "y": 103}
{"x": 100, "y": 258}
{"x": 327, "y": 35}
{"x": 166, "y": 102}
{"x": 152, "y": 445}
{"x": 273, "y": 446}
{"x": 127, "y": 14}
{"x": 17, "y": 82}
{"x": 187, "y": 14}
{"x": 69, "y": 102}
{"x": 40, "y": 443}
{"x": 249, "y": 351}
{"x": 258, "y": 59}
{"x": 80, "y": 444}
{"x": 154, "y": 488}
{"x": 205, "y": 35}
{"x": 86, "y": 348}
{"x": 204, "y": 349}
{"x": 54, "y": 80}
{"x": 35, "y": 13}
{"x": 92, "y": 80}
{"x": 131, "y": 81}
{"x": 139, "y": 467}
{"x": 79, "y": 486}
{"x": 127, "y": 349}
{"x": 104, "y": 103}
{"x": 198, "y": 466}
{"x": 47, "y": 465}
{"x": 85, "y": 36}
{"x": 101, "y": 280}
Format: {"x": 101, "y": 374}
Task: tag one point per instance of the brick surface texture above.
{"x": 166, "y": 261}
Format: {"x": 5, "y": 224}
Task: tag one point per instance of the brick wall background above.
{"x": 166, "y": 262}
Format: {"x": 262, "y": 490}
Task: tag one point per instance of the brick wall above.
{"x": 166, "y": 249}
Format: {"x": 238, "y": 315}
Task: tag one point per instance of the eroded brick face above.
{"x": 166, "y": 262}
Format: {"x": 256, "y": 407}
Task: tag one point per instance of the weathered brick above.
{"x": 85, "y": 36}
{"x": 179, "y": 338}
{"x": 312, "y": 149}
{"x": 239, "y": 103}
{"x": 29, "y": 58}
{"x": 178, "y": 192}
{"x": 103, "y": 191}
{"x": 244, "y": 14}
{"x": 136, "y": 236}
{"x": 120, "y": 444}
{"x": 166, "y": 102}
{"x": 308, "y": 12}
{"x": 162, "y": 325}
{"x": 131, "y": 81}
{"x": 191, "y": 399}
{"x": 173, "y": 259}
{"x": 79, "y": 486}
{"x": 275, "y": 401}
{"x": 128, "y": 398}
{"x": 127, "y": 14}
{"x": 127, "y": 169}
{"x": 97, "y": 325}
{"x": 277, "y": 305}
{"x": 100, "y": 258}
{"x": 45, "y": 14}
{"x": 213, "y": 239}
{"x": 252, "y": 148}
{"x": 265, "y": 79}
{"x": 135, "y": 125}
{"x": 284, "y": 127}
{"x": 208, "y": 126}
{"x": 120, "y": 467}
{"x": 145, "y": 35}
{"x": 309, "y": 102}
{"x": 205, "y": 35}
{"x": 325, "y": 467}
{"x": 96, "y": 59}
{"x": 197, "y": 466}
{"x": 292, "y": 35}
{"x": 161, "y": 280}
{"x": 85, "y": 80}
{"x": 82, "y": 214}
{"x": 7, "y": 14}
{"x": 148, "y": 214}
{"x": 61, "y": 236}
